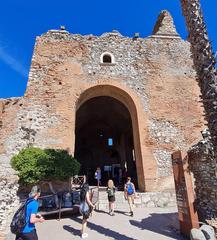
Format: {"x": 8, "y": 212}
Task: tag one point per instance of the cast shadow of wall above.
{"x": 99, "y": 229}
{"x": 162, "y": 223}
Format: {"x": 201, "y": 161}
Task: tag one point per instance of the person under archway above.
{"x": 98, "y": 176}
{"x": 129, "y": 193}
{"x": 111, "y": 196}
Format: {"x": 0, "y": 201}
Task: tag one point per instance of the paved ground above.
{"x": 149, "y": 224}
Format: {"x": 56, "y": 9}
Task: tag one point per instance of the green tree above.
{"x": 34, "y": 165}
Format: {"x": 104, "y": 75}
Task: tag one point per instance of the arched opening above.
{"x": 104, "y": 138}
{"x": 107, "y": 58}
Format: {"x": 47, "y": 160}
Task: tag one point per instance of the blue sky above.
{"x": 22, "y": 20}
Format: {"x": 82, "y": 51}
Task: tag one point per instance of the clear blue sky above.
{"x": 22, "y": 20}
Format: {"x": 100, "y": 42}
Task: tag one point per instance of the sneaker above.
{"x": 84, "y": 235}
{"x": 131, "y": 214}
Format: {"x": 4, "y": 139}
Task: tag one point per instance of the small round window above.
{"x": 107, "y": 58}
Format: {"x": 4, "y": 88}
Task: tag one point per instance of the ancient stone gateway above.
{"x": 140, "y": 92}
{"x": 107, "y": 102}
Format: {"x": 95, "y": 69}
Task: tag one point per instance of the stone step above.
{"x": 147, "y": 199}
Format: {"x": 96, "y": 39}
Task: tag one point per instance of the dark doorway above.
{"x": 104, "y": 138}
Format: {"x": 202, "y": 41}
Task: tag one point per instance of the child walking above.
{"x": 111, "y": 196}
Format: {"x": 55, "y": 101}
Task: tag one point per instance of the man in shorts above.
{"x": 129, "y": 192}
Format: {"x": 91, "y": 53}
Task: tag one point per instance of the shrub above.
{"x": 35, "y": 164}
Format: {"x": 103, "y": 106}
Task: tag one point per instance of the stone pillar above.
{"x": 204, "y": 62}
{"x": 202, "y": 157}
{"x": 202, "y": 164}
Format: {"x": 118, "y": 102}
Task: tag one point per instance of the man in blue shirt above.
{"x": 32, "y": 216}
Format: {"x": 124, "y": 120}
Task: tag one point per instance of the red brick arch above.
{"x": 134, "y": 106}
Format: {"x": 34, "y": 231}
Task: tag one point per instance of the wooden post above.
{"x": 188, "y": 217}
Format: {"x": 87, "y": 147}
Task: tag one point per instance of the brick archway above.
{"x": 145, "y": 164}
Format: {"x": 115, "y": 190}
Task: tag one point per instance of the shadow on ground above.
{"x": 75, "y": 232}
{"x": 100, "y": 229}
{"x": 162, "y": 223}
{"x": 116, "y": 211}
{"x": 122, "y": 212}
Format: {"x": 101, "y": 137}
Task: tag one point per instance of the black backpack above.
{"x": 19, "y": 219}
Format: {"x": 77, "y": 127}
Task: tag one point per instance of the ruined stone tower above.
{"x": 108, "y": 100}
{"x": 141, "y": 92}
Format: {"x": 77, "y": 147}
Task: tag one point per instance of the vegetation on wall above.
{"x": 34, "y": 165}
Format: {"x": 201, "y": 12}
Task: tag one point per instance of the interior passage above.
{"x": 104, "y": 139}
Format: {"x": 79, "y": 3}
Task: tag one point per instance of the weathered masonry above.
{"x": 83, "y": 90}
{"x": 108, "y": 100}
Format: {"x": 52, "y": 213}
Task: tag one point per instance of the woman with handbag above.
{"x": 86, "y": 207}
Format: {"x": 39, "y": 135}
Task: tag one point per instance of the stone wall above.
{"x": 204, "y": 155}
{"x": 9, "y": 109}
{"x": 156, "y": 70}
{"x": 8, "y": 203}
{"x": 204, "y": 62}
{"x": 142, "y": 200}
{"x": 152, "y": 76}
{"x": 203, "y": 166}
{"x": 164, "y": 25}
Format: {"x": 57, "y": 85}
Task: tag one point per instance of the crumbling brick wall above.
{"x": 156, "y": 72}
{"x": 153, "y": 77}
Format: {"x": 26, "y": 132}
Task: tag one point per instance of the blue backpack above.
{"x": 130, "y": 189}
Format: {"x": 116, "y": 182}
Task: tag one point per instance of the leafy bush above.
{"x": 35, "y": 164}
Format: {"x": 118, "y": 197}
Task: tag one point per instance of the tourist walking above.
{"x": 32, "y": 216}
{"x": 86, "y": 207}
{"x": 129, "y": 193}
{"x": 111, "y": 196}
{"x": 97, "y": 176}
